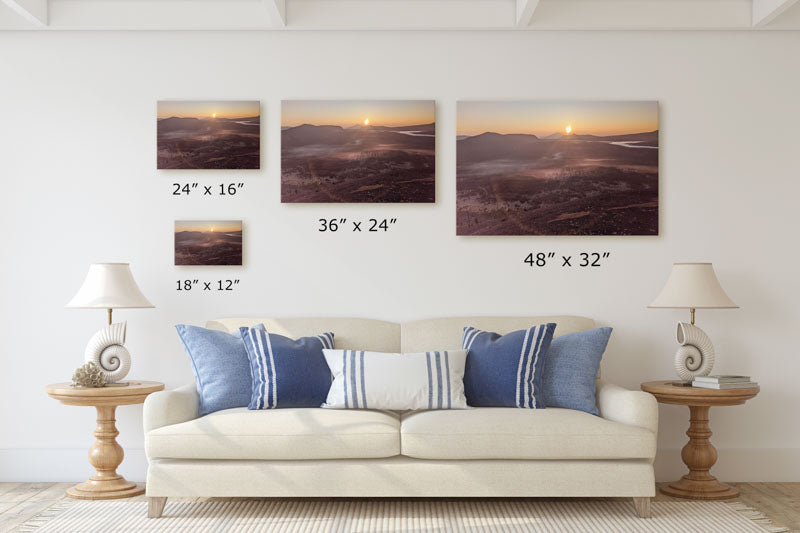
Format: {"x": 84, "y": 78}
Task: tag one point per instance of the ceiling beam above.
{"x": 765, "y": 11}
{"x": 34, "y": 11}
{"x": 642, "y": 15}
{"x": 528, "y": 15}
{"x": 400, "y": 14}
{"x": 277, "y": 11}
{"x": 525, "y": 9}
{"x": 111, "y": 15}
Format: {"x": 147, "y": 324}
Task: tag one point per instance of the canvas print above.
{"x": 209, "y": 135}
{"x": 208, "y": 242}
{"x": 358, "y": 151}
{"x": 557, "y": 168}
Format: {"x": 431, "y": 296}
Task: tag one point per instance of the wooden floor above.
{"x": 21, "y": 501}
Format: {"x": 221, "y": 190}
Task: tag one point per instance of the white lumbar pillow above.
{"x": 396, "y": 381}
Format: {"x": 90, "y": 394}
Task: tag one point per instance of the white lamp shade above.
{"x": 109, "y": 286}
{"x": 693, "y": 286}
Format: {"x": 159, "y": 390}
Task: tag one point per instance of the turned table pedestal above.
{"x": 106, "y": 454}
{"x": 698, "y": 454}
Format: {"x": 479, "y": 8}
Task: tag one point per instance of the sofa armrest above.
{"x": 632, "y": 407}
{"x": 169, "y": 407}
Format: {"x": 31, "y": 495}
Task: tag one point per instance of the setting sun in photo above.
{"x": 358, "y": 151}
{"x": 557, "y": 167}
{"x": 208, "y": 242}
{"x": 213, "y": 134}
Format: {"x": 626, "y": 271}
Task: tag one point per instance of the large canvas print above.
{"x": 208, "y": 242}
{"x": 358, "y": 151}
{"x": 557, "y": 168}
{"x": 209, "y": 135}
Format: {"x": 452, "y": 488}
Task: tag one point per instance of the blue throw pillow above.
{"x": 286, "y": 372}
{"x": 506, "y": 371}
{"x": 220, "y": 365}
{"x": 571, "y": 369}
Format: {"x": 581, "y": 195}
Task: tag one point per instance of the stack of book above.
{"x": 723, "y": 382}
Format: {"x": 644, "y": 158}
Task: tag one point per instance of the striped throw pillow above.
{"x": 411, "y": 381}
{"x": 506, "y": 370}
{"x": 286, "y": 372}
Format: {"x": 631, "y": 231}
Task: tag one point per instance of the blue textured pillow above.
{"x": 506, "y": 371}
{"x": 220, "y": 365}
{"x": 571, "y": 369}
{"x": 286, "y": 372}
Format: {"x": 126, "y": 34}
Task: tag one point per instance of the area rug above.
{"x": 565, "y": 516}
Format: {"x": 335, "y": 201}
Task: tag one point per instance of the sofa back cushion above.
{"x": 447, "y": 333}
{"x": 351, "y": 333}
{"x": 417, "y": 336}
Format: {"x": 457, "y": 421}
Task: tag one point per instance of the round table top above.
{"x": 114, "y": 394}
{"x": 674, "y": 392}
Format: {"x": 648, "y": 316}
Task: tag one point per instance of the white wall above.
{"x": 79, "y": 184}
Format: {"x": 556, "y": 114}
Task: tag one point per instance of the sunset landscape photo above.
{"x": 208, "y": 242}
{"x": 209, "y": 135}
{"x": 358, "y": 151}
{"x": 557, "y": 168}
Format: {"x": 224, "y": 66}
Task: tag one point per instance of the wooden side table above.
{"x": 106, "y": 454}
{"x": 698, "y": 454}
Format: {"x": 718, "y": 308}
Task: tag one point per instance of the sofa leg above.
{"x": 155, "y": 506}
{"x": 642, "y": 506}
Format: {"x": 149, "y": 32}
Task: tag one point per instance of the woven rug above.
{"x": 565, "y": 516}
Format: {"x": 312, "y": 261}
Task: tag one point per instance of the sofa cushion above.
{"x": 510, "y": 433}
{"x": 397, "y": 381}
{"x": 280, "y": 434}
{"x": 220, "y": 365}
{"x": 570, "y": 371}
{"x": 506, "y": 370}
{"x": 286, "y": 372}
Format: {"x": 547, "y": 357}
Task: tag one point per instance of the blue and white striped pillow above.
{"x": 286, "y": 372}
{"x": 506, "y": 371}
{"x": 376, "y": 380}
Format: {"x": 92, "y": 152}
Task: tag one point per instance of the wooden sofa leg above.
{"x": 642, "y": 506}
{"x": 155, "y": 506}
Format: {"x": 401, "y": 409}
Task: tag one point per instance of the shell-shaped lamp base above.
{"x": 695, "y": 357}
{"x": 106, "y": 349}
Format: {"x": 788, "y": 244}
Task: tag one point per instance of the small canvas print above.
{"x": 209, "y": 135}
{"x": 557, "y": 168}
{"x": 208, "y": 242}
{"x": 358, "y": 151}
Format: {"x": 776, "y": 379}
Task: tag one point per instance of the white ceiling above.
{"x": 399, "y": 14}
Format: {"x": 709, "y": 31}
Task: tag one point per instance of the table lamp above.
{"x": 109, "y": 286}
{"x": 693, "y": 286}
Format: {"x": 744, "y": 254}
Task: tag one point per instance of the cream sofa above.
{"x": 481, "y": 452}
